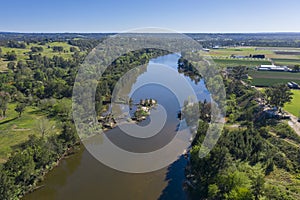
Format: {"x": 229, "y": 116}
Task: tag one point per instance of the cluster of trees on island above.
{"x": 143, "y": 108}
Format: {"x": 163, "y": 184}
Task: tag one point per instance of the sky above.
{"x": 213, "y": 16}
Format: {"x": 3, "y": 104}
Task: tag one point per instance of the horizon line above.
{"x": 116, "y": 32}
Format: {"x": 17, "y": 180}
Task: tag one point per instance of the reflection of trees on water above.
{"x": 186, "y": 68}
{"x": 120, "y": 95}
{"x": 123, "y": 87}
{"x": 190, "y": 113}
{"x": 197, "y": 66}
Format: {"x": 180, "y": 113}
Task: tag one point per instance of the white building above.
{"x": 274, "y": 68}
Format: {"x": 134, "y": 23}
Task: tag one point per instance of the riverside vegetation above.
{"x": 256, "y": 157}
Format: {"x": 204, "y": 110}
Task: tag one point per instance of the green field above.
{"x": 287, "y": 62}
{"x": 14, "y": 130}
{"x": 243, "y": 51}
{"x": 262, "y": 82}
{"x": 239, "y": 62}
{"x": 294, "y": 106}
{"x": 23, "y": 54}
{"x": 267, "y": 78}
{"x": 222, "y": 56}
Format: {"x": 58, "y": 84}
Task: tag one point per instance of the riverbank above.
{"x": 41, "y": 177}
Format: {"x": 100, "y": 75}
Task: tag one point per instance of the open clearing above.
{"x": 23, "y": 54}
{"x": 294, "y": 106}
{"x": 14, "y": 130}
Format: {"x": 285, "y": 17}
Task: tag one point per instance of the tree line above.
{"x": 247, "y": 151}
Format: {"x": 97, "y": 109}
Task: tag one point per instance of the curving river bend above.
{"x": 80, "y": 176}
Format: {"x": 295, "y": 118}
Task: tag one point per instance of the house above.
{"x": 274, "y": 68}
{"x": 273, "y": 112}
{"x": 260, "y": 56}
{"x": 238, "y": 56}
{"x": 293, "y": 85}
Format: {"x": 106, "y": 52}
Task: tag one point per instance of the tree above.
{"x": 11, "y": 56}
{"x": 11, "y": 65}
{"x": 21, "y": 65}
{"x": 44, "y": 126}
{"x": 7, "y": 186}
{"x": 0, "y": 52}
{"x": 213, "y": 191}
{"x": 258, "y": 185}
{"x": 278, "y": 95}
{"x": 20, "y": 108}
{"x": 62, "y": 108}
{"x": 297, "y": 68}
{"x": 21, "y": 166}
{"x": 240, "y": 193}
{"x": 235, "y": 184}
{"x": 58, "y": 49}
{"x": 73, "y": 49}
{"x": 36, "y": 49}
{"x": 239, "y": 72}
{"x": 40, "y": 150}
{"x": 4, "y": 99}
{"x": 69, "y": 133}
{"x": 16, "y": 44}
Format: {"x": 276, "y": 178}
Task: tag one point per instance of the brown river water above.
{"x": 81, "y": 176}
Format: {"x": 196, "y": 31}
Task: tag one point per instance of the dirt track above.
{"x": 294, "y": 124}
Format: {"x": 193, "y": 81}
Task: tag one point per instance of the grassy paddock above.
{"x": 14, "y": 130}
{"x": 288, "y": 62}
{"x": 243, "y": 51}
{"x": 240, "y": 62}
{"x": 263, "y": 82}
{"x": 267, "y": 78}
{"x": 294, "y": 106}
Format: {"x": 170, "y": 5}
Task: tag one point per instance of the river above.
{"x": 81, "y": 176}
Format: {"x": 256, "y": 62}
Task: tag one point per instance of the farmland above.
{"x": 288, "y": 62}
{"x": 244, "y": 51}
{"x": 239, "y": 62}
{"x": 267, "y": 78}
{"x": 225, "y": 57}
{"x": 278, "y": 56}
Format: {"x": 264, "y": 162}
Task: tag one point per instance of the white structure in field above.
{"x": 274, "y": 68}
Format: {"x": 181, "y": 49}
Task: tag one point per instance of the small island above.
{"x": 141, "y": 111}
